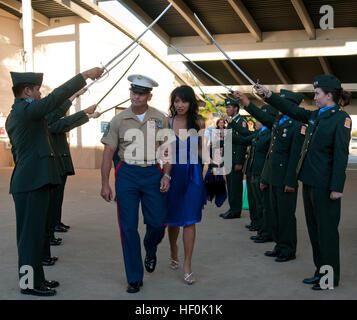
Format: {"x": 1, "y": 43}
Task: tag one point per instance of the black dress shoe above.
{"x": 253, "y": 229}
{"x": 263, "y": 240}
{"x": 134, "y": 287}
{"x": 232, "y": 216}
{"x": 63, "y": 225}
{"x": 273, "y": 253}
{"x": 254, "y": 237}
{"x": 284, "y": 258}
{"x": 225, "y": 213}
{"x": 248, "y": 226}
{"x": 54, "y": 258}
{"x": 150, "y": 264}
{"x": 317, "y": 287}
{"x": 313, "y": 280}
{"x": 51, "y": 283}
{"x": 58, "y": 228}
{"x": 48, "y": 262}
{"x": 55, "y": 242}
{"x": 41, "y": 291}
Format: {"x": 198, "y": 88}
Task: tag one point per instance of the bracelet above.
{"x": 167, "y": 176}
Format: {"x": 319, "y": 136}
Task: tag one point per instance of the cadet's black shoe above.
{"x": 55, "y": 242}
{"x": 54, "y": 258}
{"x": 63, "y": 225}
{"x": 254, "y": 237}
{"x": 134, "y": 287}
{"x": 262, "y": 240}
{"x": 150, "y": 264}
{"x": 231, "y": 215}
{"x": 58, "y": 228}
{"x": 248, "y": 226}
{"x": 284, "y": 258}
{"x": 41, "y": 291}
{"x": 224, "y": 214}
{"x": 51, "y": 283}
{"x": 253, "y": 229}
{"x": 313, "y": 280}
{"x": 273, "y": 253}
{"x": 48, "y": 262}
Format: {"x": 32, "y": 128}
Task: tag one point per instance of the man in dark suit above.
{"x": 35, "y": 169}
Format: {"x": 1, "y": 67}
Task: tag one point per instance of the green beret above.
{"x": 328, "y": 81}
{"x": 26, "y": 77}
{"x": 292, "y": 96}
{"x": 231, "y": 101}
{"x": 270, "y": 109}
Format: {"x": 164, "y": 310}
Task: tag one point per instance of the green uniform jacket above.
{"x": 284, "y": 150}
{"x": 28, "y": 132}
{"x": 259, "y": 143}
{"x": 58, "y": 131}
{"x": 324, "y": 156}
{"x": 238, "y": 128}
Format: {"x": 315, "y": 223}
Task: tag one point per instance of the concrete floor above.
{"x": 227, "y": 265}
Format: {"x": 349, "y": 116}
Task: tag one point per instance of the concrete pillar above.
{"x": 27, "y": 24}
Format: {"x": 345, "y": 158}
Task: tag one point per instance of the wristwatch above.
{"x": 167, "y": 176}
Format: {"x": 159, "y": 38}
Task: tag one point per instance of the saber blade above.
{"x": 114, "y": 106}
{"x": 201, "y": 69}
{"x": 223, "y": 52}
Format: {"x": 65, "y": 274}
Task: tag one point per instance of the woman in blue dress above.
{"x": 186, "y": 197}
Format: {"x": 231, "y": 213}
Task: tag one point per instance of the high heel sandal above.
{"x": 174, "y": 265}
{"x": 187, "y": 279}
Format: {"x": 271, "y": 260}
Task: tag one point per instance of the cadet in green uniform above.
{"x": 35, "y": 169}
{"x": 280, "y": 174}
{"x": 322, "y": 167}
{"x": 58, "y": 127}
{"x": 258, "y": 199}
{"x": 235, "y": 177}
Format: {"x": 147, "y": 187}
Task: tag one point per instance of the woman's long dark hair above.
{"x": 340, "y": 96}
{"x": 186, "y": 94}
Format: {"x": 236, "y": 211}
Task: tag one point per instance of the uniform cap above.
{"x": 327, "y": 80}
{"x": 26, "y": 77}
{"x": 231, "y": 101}
{"x": 141, "y": 83}
{"x": 292, "y": 96}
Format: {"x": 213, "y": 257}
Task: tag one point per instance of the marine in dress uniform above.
{"x": 35, "y": 170}
{"x": 235, "y": 177}
{"x": 259, "y": 202}
{"x": 137, "y": 180}
{"x": 321, "y": 168}
{"x": 279, "y": 174}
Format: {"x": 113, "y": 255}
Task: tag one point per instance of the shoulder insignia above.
{"x": 348, "y": 123}
{"x": 30, "y": 100}
{"x": 106, "y": 130}
{"x": 303, "y": 130}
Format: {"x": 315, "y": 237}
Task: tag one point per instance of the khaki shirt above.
{"x": 118, "y": 134}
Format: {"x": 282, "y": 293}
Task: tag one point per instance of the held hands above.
{"x": 91, "y": 109}
{"x": 164, "y": 184}
{"x": 244, "y": 100}
{"x": 93, "y": 73}
{"x": 94, "y": 115}
{"x": 335, "y": 195}
{"x": 263, "y": 91}
{"x": 106, "y": 193}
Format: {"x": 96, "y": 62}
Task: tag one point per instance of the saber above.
{"x": 201, "y": 69}
{"x": 225, "y": 54}
{"x": 122, "y": 76}
{"x": 204, "y": 95}
{"x": 132, "y": 43}
{"x": 108, "y": 70}
{"x": 114, "y": 106}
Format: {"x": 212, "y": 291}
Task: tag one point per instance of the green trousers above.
{"x": 235, "y": 191}
{"x": 252, "y": 203}
{"x": 258, "y": 199}
{"x": 31, "y": 212}
{"x": 322, "y": 219}
{"x": 55, "y": 208}
{"x": 266, "y": 229}
{"x": 283, "y": 205}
